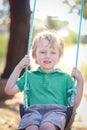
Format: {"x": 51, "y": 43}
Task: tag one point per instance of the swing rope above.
{"x": 74, "y": 90}
{"x": 26, "y": 88}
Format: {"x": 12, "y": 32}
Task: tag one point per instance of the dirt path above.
{"x": 9, "y": 113}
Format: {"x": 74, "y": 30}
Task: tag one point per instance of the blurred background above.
{"x": 62, "y": 16}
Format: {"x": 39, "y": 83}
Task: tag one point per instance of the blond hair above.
{"x": 52, "y": 37}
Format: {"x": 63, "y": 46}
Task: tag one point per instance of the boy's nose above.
{"x": 47, "y": 54}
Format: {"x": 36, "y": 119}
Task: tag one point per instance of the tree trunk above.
{"x": 19, "y": 34}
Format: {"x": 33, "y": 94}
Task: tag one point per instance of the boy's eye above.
{"x": 42, "y": 52}
{"x": 53, "y": 52}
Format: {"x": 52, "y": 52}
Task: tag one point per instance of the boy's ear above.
{"x": 34, "y": 56}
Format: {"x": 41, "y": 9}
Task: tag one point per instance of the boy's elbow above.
{"x": 76, "y": 106}
{"x": 7, "y": 91}
{"x": 77, "y": 103}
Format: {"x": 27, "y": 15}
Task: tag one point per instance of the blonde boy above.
{"x": 48, "y": 95}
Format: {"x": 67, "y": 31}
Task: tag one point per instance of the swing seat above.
{"x": 21, "y": 110}
{"x": 70, "y": 120}
{"x": 69, "y": 115}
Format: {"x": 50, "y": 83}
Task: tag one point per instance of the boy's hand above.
{"x": 76, "y": 74}
{"x": 24, "y": 62}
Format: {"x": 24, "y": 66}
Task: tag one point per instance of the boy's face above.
{"x": 47, "y": 56}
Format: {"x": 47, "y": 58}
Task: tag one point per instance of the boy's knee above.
{"x": 48, "y": 126}
{"x": 32, "y": 127}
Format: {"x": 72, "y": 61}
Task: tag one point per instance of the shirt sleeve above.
{"x": 70, "y": 85}
{"x": 20, "y": 82}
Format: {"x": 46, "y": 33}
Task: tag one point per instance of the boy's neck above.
{"x": 46, "y": 71}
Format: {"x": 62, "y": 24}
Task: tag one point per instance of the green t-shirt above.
{"x": 46, "y": 88}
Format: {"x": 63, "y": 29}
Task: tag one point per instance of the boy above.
{"x": 48, "y": 95}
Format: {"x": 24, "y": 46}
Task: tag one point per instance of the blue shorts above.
{"x": 39, "y": 114}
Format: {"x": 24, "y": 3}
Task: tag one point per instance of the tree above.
{"x": 76, "y": 6}
{"x": 55, "y": 23}
{"x": 19, "y": 34}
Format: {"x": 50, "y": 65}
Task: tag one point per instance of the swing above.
{"x": 71, "y": 111}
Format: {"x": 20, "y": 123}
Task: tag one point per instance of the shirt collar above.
{"x": 54, "y": 71}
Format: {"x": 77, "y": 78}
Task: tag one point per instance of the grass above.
{"x": 3, "y": 50}
{"x": 84, "y": 71}
{"x": 3, "y": 45}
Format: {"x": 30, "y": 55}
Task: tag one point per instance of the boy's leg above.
{"x": 32, "y": 127}
{"x": 48, "y": 126}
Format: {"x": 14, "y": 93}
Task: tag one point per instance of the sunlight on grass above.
{"x": 3, "y": 50}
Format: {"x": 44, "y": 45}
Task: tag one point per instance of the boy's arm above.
{"x": 11, "y": 87}
{"x": 79, "y": 94}
{"x": 80, "y": 83}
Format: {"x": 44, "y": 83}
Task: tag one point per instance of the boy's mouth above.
{"x": 47, "y": 62}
